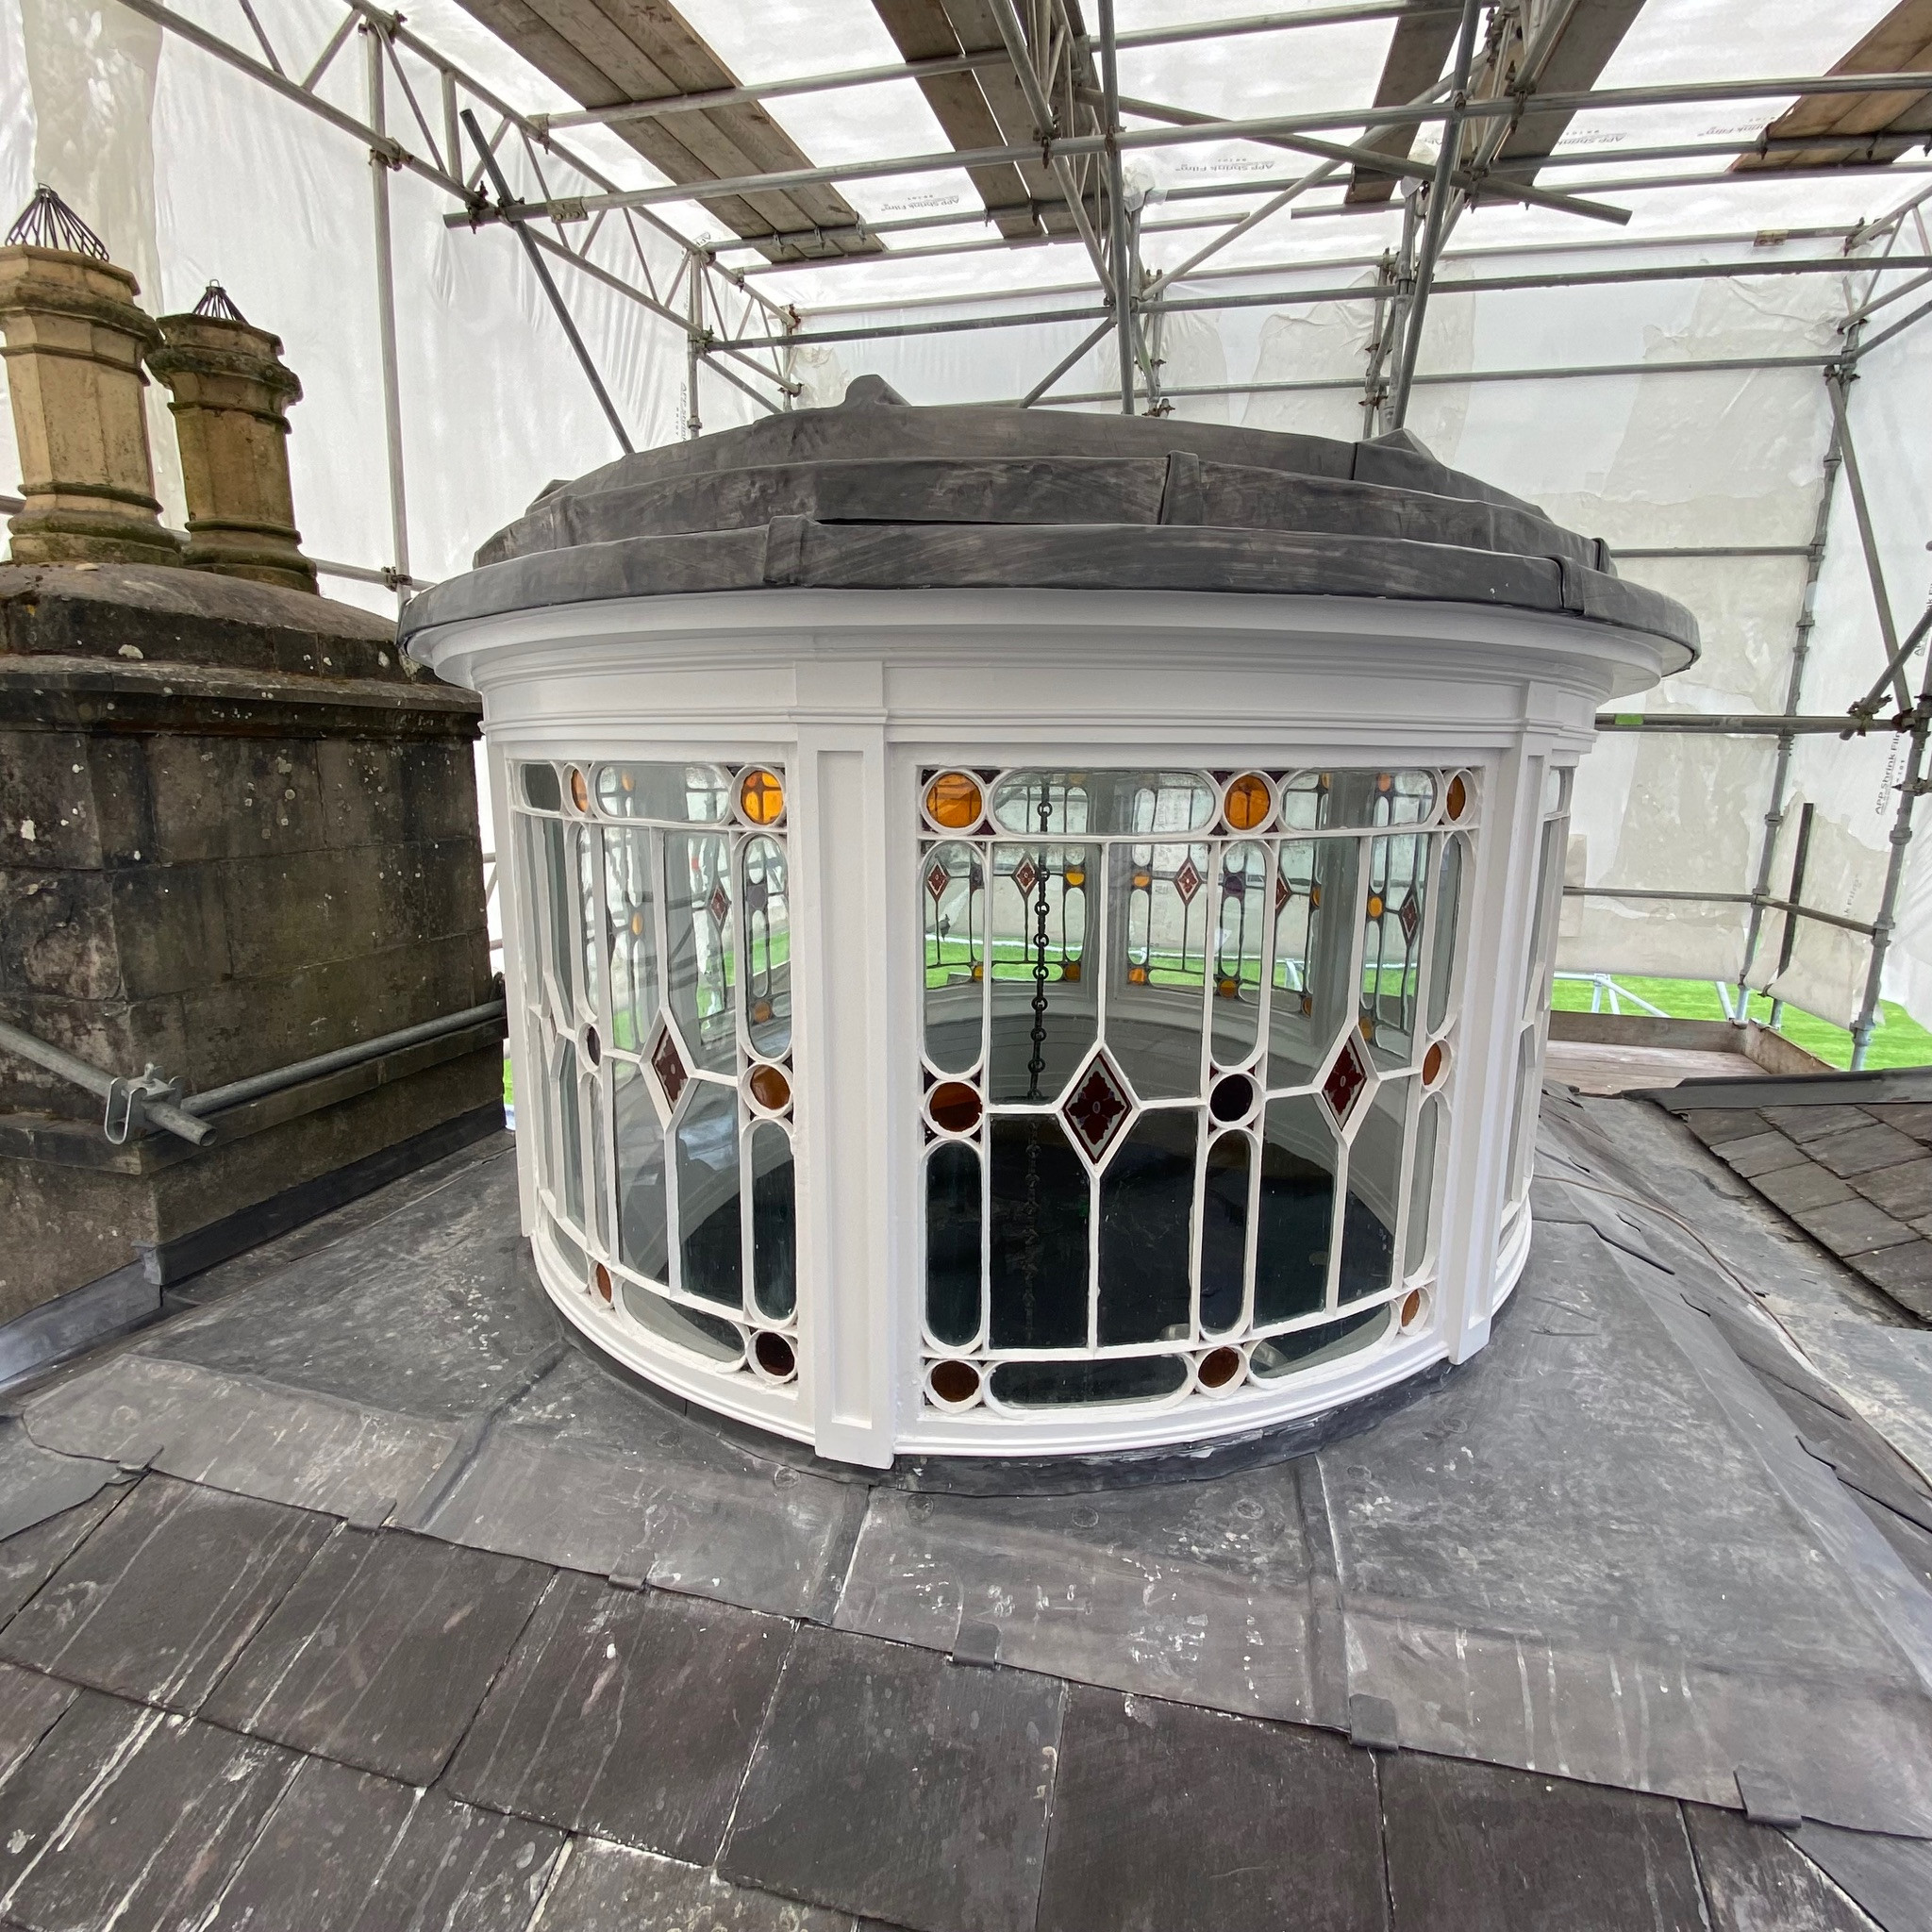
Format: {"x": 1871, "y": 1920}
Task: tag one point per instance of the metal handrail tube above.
{"x": 55, "y": 1059}
{"x": 219, "y": 1099}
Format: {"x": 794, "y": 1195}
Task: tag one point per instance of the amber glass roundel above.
{"x": 955, "y": 1107}
{"x": 1432, "y": 1064}
{"x": 955, "y": 1381}
{"x": 954, "y": 802}
{"x": 1414, "y": 1304}
{"x": 775, "y": 1355}
{"x": 601, "y": 1275}
{"x": 770, "y": 1088}
{"x": 579, "y": 790}
{"x": 1249, "y": 802}
{"x": 1219, "y": 1366}
{"x": 761, "y": 795}
{"x": 1457, "y": 800}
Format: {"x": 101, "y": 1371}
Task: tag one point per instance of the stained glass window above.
{"x": 658, "y": 988}
{"x": 1187, "y": 1063}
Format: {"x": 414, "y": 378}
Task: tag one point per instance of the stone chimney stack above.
{"x": 231, "y": 391}
{"x": 73, "y": 346}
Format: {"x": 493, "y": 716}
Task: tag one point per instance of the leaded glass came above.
{"x": 658, "y": 988}
{"x": 1188, "y": 1051}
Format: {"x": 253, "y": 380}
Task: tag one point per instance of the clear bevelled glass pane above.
{"x": 1298, "y": 1161}
{"x": 559, "y": 917}
{"x": 765, "y": 911}
{"x": 585, "y": 839}
{"x": 707, "y": 1194}
{"x": 1542, "y": 930}
{"x": 1527, "y": 1106}
{"x": 1307, "y": 1348}
{"x": 953, "y": 887}
{"x": 642, "y": 1238}
{"x": 704, "y": 1335}
{"x": 1392, "y": 913}
{"x": 1224, "y": 1231}
{"x": 1158, "y": 902}
{"x": 1240, "y": 944}
{"x": 1038, "y": 945}
{"x": 686, "y": 794}
{"x": 1313, "y": 999}
{"x": 953, "y": 1244}
{"x": 698, "y": 915}
{"x": 773, "y": 1224}
{"x": 1146, "y": 1230}
{"x": 1079, "y": 803}
{"x": 593, "y": 1104}
{"x": 1374, "y": 1191}
{"x": 569, "y": 1132}
{"x": 1038, "y": 1249}
{"x": 1422, "y": 1186}
{"x": 542, "y": 789}
{"x": 1360, "y": 796}
{"x": 633, "y": 935}
{"x": 1444, "y": 949}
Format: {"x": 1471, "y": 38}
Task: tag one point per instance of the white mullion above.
{"x": 607, "y": 1034}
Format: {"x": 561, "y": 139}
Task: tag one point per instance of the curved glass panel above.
{"x": 1044, "y": 1007}
{"x": 1375, "y": 1195}
{"x": 1059, "y": 804}
{"x": 953, "y": 1244}
{"x": 1146, "y": 1229}
{"x": 697, "y": 915}
{"x": 1394, "y": 911}
{"x": 583, "y": 839}
{"x": 631, "y": 937}
{"x": 1037, "y": 1242}
{"x": 705, "y": 1335}
{"x": 643, "y": 1218}
{"x": 1422, "y": 1186}
{"x": 1327, "y": 1341}
{"x": 953, "y": 885}
{"x": 1315, "y": 888}
{"x": 1159, "y": 925}
{"x": 558, "y": 916}
{"x": 1298, "y": 1162}
{"x": 541, "y": 790}
{"x": 707, "y": 1194}
{"x": 570, "y": 1131}
{"x": 1240, "y": 936}
{"x": 766, "y": 913}
{"x": 1443, "y": 950}
{"x": 1224, "y": 1231}
{"x": 773, "y": 1224}
{"x": 678, "y": 794}
{"x": 1127, "y": 1378}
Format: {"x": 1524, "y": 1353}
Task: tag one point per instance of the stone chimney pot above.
{"x": 74, "y": 343}
{"x": 230, "y": 392}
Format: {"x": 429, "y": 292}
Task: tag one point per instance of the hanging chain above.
{"x": 1037, "y": 1065}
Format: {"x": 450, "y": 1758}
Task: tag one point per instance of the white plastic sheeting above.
{"x": 192, "y": 172}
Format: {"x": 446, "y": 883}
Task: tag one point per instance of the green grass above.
{"x": 1898, "y": 1041}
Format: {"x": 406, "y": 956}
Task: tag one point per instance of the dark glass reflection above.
{"x": 708, "y": 1213}
{"x": 1146, "y": 1224}
{"x": 1038, "y": 1251}
{"x": 952, "y": 1243}
{"x": 1224, "y": 1232}
{"x": 773, "y": 1224}
{"x": 705, "y": 1335}
{"x": 642, "y": 1241}
{"x": 1127, "y": 1379}
{"x": 1297, "y": 1207}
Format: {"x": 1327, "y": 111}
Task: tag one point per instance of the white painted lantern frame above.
{"x": 853, "y": 698}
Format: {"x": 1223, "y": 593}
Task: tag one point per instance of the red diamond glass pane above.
{"x": 719, "y": 904}
{"x": 1098, "y": 1105}
{"x": 936, "y": 879}
{"x": 1346, "y": 1079}
{"x": 1026, "y": 876}
{"x": 1187, "y": 881}
{"x": 1410, "y": 916}
{"x": 669, "y": 1066}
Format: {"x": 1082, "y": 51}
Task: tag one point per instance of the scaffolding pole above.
{"x": 1117, "y": 208}
{"x": 379, "y": 165}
